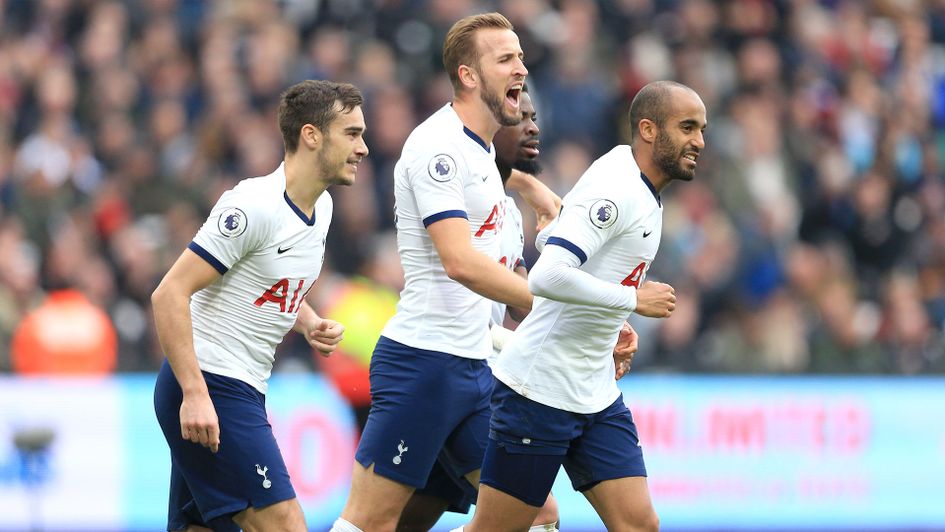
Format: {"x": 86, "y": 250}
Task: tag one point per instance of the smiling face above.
{"x": 680, "y": 140}
{"x": 517, "y": 146}
{"x": 501, "y": 73}
{"x": 342, "y": 148}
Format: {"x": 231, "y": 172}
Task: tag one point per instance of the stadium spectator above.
{"x": 128, "y": 119}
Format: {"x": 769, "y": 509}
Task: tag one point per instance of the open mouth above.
{"x": 512, "y": 95}
{"x": 530, "y": 148}
{"x": 691, "y": 157}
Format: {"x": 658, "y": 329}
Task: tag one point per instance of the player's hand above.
{"x": 198, "y": 421}
{"x": 655, "y": 300}
{"x": 325, "y": 336}
{"x": 547, "y": 209}
{"x": 539, "y": 197}
{"x": 627, "y": 344}
{"x": 546, "y": 216}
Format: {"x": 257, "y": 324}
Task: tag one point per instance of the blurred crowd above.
{"x": 811, "y": 241}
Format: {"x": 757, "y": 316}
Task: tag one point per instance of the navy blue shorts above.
{"x": 529, "y": 441}
{"x": 455, "y": 490}
{"x": 426, "y": 406}
{"x": 207, "y": 488}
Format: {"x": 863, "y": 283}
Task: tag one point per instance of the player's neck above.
{"x": 302, "y": 185}
{"x": 649, "y": 168}
{"x": 474, "y": 114}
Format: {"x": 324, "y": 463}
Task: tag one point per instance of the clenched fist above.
{"x": 656, "y": 300}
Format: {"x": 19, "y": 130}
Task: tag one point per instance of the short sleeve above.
{"x": 586, "y": 223}
{"x": 235, "y": 228}
{"x": 437, "y": 177}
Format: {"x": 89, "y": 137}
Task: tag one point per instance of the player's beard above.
{"x": 336, "y": 169}
{"x": 529, "y": 166}
{"x": 668, "y": 157}
{"x": 495, "y": 104}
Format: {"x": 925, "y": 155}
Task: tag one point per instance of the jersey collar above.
{"x": 650, "y": 186}
{"x": 298, "y": 212}
{"x": 476, "y": 138}
{"x": 469, "y": 133}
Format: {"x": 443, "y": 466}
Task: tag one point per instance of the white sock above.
{"x": 550, "y": 527}
{"x": 342, "y": 525}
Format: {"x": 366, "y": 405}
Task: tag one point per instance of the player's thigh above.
{"x": 624, "y": 504}
{"x": 465, "y": 447}
{"x": 443, "y": 491}
{"x": 452, "y": 484}
{"x": 606, "y": 464}
{"x": 498, "y": 511}
{"x": 183, "y": 513}
{"x": 375, "y": 502}
{"x": 282, "y": 516}
{"x": 519, "y": 472}
{"x": 421, "y": 399}
{"x": 421, "y": 513}
{"x": 248, "y": 470}
{"x": 607, "y": 448}
{"x": 455, "y": 475}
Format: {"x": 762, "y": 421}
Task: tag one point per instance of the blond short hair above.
{"x": 460, "y": 47}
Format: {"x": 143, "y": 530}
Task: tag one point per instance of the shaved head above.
{"x": 653, "y": 102}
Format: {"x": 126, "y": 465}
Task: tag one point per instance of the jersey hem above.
{"x": 432, "y": 346}
{"x": 552, "y": 400}
{"x": 261, "y": 387}
{"x": 568, "y": 245}
{"x": 207, "y": 256}
{"x": 444, "y": 215}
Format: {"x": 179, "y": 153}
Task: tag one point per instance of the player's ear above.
{"x": 647, "y": 130}
{"x": 468, "y": 76}
{"x": 310, "y": 136}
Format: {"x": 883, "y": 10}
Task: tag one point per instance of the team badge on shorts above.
{"x": 401, "y": 449}
{"x": 603, "y": 213}
{"x": 261, "y": 471}
{"x": 442, "y": 168}
{"x": 232, "y": 222}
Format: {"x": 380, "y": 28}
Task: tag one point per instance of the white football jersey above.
{"x": 269, "y": 254}
{"x": 445, "y": 171}
{"x": 511, "y": 249}
{"x": 561, "y": 355}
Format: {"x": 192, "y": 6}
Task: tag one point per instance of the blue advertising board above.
{"x": 749, "y": 453}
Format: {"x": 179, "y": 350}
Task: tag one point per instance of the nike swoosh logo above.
{"x": 281, "y": 251}
{"x": 647, "y": 233}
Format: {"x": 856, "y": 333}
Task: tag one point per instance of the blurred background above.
{"x": 804, "y": 360}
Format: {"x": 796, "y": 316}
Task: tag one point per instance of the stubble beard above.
{"x": 668, "y": 158}
{"x": 337, "y": 171}
{"x": 494, "y": 103}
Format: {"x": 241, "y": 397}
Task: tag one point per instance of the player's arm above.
{"x": 539, "y": 197}
{"x": 557, "y": 276}
{"x": 474, "y": 269}
{"x": 517, "y": 313}
{"x": 171, "y": 304}
{"x": 320, "y": 333}
{"x": 500, "y": 334}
